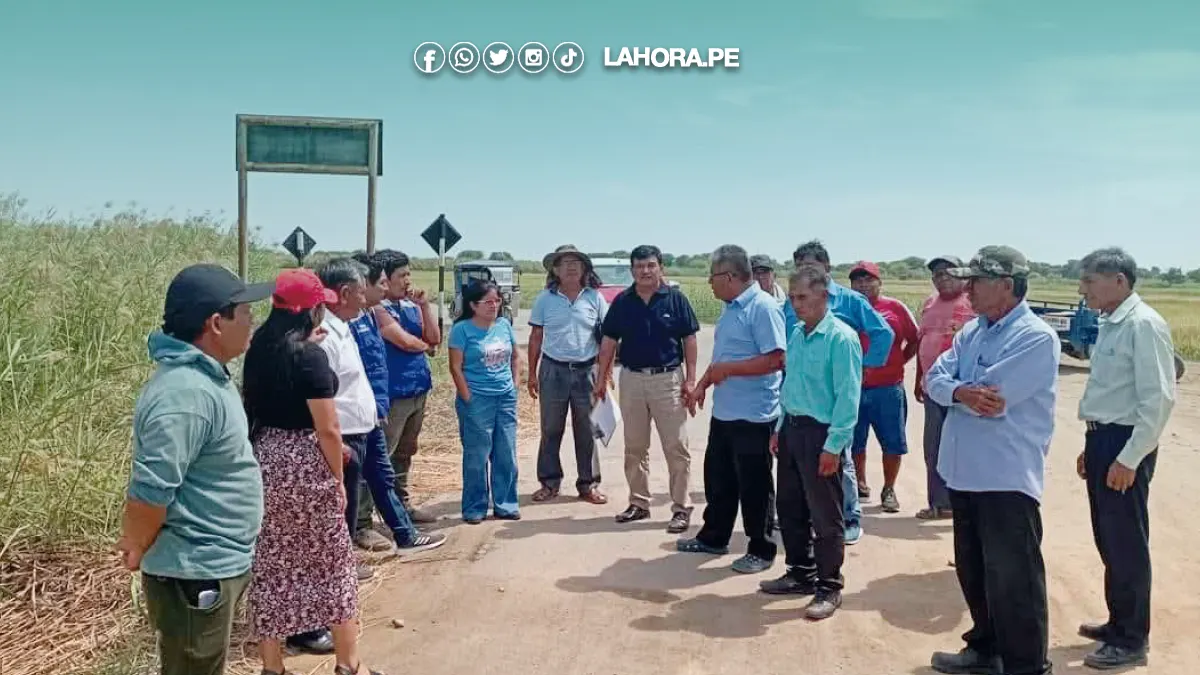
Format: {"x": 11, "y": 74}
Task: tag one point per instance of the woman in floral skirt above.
{"x": 304, "y": 575}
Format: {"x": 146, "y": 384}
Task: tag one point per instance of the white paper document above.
{"x": 606, "y": 417}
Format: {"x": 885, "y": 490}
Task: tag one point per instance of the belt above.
{"x": 653, "y": 370}
{"x": 1105, "y": 426}
{"x": 802, "y": 421}
{"x": 576, "y": 365}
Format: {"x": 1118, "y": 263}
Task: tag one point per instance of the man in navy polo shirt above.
{"x": 652, "y": 326}
{"x": 748, "y": 353}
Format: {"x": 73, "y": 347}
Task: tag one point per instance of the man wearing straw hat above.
{"x": 563, "y": 347}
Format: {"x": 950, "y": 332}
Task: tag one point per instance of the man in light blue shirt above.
{"x": 999, "y": 381}
{"x": 856, "y": 311}
{"x": 563, "y": 346}
{"x": 1129, "y": 398}
{"x": 745, "y": 372}
{"x": 820, "y": 399}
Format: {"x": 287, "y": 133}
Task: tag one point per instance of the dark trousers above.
{"x": 563, "y": 386}
{"x": 193, "y": 640}
{"x": 1121, "y": 528}
{"x": 935, "y": 486}
{"x": 810, "y": 505}
{"x": 998, "y": 557}
{"x": 737, "y": 471}
{"x": 369, "y": 462}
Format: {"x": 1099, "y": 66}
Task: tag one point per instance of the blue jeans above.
{"x": 488, "y": 429}
{"x": 369, "y": 460}
{"x": 851, "y": 508}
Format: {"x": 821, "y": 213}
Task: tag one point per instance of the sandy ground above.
{"x": 569, "y": 591}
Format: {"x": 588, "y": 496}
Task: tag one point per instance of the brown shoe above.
{"x": 419, "y": 516}
{"x": 370, "y": 540}
{"x": 544, "y": 493}
{"x": 593, "y": 496}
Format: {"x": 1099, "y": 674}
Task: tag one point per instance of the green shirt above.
{"x": 823, "y": 379}
{"x": 1133, "y": 377}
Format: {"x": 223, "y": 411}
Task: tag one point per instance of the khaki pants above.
{"x": 405, "y": 417}
{"x": 645, "y": 397}
{"x": 192, "y": 641}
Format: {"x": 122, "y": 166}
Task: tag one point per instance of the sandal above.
{"x": 935, "y": 514}
{"x": 345, "y": 670}
{"x": 544, "y": 493}
{"x": 593, "y": 496}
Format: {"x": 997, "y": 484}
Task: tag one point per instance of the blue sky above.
{"x": 887, "y": 128}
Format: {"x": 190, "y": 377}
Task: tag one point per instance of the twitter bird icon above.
{"x": 499, "y": 58}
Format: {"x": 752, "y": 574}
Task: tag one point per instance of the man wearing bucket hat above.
{"x": 194, "y": 505}
{"x": 999, "y": 383}
{"x": 563, "y": 346}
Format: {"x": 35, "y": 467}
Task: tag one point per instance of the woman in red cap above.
{"x": 304, "y": 575}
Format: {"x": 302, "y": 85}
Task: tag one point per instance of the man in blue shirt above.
{"x": 999, "y": 382}
{"x": 563, "y": 345}
{"x": 820, "y": 397}
{"x": 745, "y": 373}
{"x": 855, "y": 310}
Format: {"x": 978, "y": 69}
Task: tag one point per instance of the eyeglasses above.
{"x": 714, "y": 277}
{"x": 489, "y": 301}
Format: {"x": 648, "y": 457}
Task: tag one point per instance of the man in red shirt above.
{"x": 943, "y": 314}
{"x": 884, "y": 405}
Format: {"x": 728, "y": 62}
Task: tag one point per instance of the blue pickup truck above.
{"x": 1077, "y": 326}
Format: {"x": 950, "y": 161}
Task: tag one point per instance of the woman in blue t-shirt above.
{"x": 483, "y": 363}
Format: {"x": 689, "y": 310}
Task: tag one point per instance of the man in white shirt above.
{"x": 1129, "y": 397}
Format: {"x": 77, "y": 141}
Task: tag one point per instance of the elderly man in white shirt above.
{"x": 1128, "y": 399}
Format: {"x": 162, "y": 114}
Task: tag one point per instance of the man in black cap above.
{"x": 194, "y": 503}
{"x": 764, "y": 273}
{"x": 943, "y": 314}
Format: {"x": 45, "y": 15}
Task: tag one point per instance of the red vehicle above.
{"x": 615, "y": 276}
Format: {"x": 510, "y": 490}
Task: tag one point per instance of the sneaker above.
{"x": 823, "y": 605}
{"x": 680, "y": 522}
{"x": 787, "y": 584}
{"x": 1109, "y": 657}
{"x": 423, "y": 542}
{"x": 864, "y": 491}
{"x": 369, "y": 540}
{"x": 935, "y": 514}
{"x": 515, "y": 515}
{"x": 633, "y": 513}
{"x": 316, "y": 642}
{"x": 751, "y": 564}
{"x": 419, "y": 516}
{"x": 966, "y": 662}
{"x": 694, "y": 545}
{"x": 888, "y": 501}
{"x": 853, "y": 534}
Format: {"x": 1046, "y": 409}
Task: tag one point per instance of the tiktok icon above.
{"x": 568, "y": 58}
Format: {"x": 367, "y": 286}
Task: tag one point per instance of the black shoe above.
{"x": 864, "y": 492}
{"x": 1109, "y": 657}
{"x": 966, "y": 662}
{"x": 423, "y": 542}
{"x": 680, "y": 522}
{"x": 1094, "y": 631}
{"x": 515, "y": 515}
{"x": 319, "y": 642}
{"x": 633, "y": 513}
{"x": 787, "y": 584}
{"x": 823, "y": 605}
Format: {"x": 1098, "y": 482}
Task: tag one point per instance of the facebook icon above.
{"x": 429, "y": 57}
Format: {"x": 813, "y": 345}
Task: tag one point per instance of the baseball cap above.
{"x": 951, "y": 260}
{"x": 199, "y": 291}
{"x": 994, "y": 262}
{"x": 761, "y": 262}
{"x": 299, "y": 289}
{"x": 865, "y": 267}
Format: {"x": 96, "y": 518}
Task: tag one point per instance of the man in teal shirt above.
{"x": 195, "y": 498}
{"x": 820, "y": 395}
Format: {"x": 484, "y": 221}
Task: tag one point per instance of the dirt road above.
{"x": 569, "y": 591}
